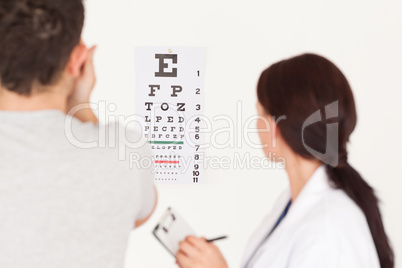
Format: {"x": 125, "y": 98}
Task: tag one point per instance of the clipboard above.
{"x": 171, "y": 230}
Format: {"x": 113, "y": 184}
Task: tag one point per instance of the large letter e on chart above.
{"x": 163, "y": 65}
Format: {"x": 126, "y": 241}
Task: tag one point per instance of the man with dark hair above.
{"x": 60, "y": 205}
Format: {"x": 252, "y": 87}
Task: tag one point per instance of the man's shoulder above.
{"x": 112, "y": 135}
{"x": 112, "y": 143}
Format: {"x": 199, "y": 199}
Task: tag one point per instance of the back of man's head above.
{"x": 36, "y": 40}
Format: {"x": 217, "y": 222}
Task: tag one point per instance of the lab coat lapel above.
{"x": 311, "y": 192}
{"x": 267, "y": 225}
{"x": 316, "y": 187}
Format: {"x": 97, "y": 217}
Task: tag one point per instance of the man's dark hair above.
{"x": 36, "y": 40}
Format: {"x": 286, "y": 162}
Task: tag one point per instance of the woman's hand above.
{"x": 196, "y": 252}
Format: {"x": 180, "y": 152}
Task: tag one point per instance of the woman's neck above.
{"x": 299, "y": 172}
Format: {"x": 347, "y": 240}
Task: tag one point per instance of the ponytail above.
{"x": 345, "y": 177}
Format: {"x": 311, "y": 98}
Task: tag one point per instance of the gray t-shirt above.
{"x": 65, "y": 206}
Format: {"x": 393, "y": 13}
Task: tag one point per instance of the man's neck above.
{"x": 47, "y": 100}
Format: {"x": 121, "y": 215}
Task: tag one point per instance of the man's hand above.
{"x": 78, "y": 102}
{"x": 198, "y": 253}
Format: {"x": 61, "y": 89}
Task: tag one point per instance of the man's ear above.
{"x": 77, "y": 59}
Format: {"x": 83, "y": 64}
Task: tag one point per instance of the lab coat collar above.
{"x": 316, "y": 186}
{"x": 311, "y": 194}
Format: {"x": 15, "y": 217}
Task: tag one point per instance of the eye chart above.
{"x": 170, "y": 100}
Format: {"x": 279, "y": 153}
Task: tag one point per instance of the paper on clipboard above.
{"x": 171, "y": 230}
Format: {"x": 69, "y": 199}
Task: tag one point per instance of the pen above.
{"x": 218, "y": 238}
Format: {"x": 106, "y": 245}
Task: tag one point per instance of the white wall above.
{"x": 364, "y": 38}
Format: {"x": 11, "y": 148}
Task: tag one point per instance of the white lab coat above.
{"x": 323, "y": 228}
